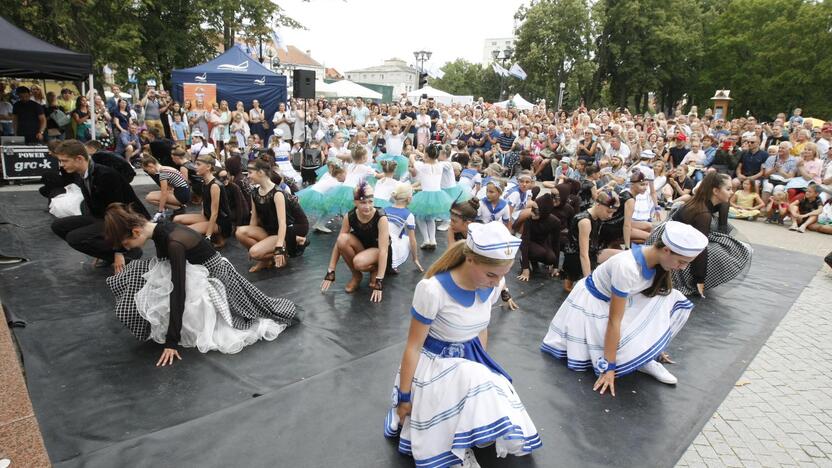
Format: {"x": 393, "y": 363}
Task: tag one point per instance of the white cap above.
{"x": 278, "y": 132}
{"x": 492, "y": 240}
{"x": 566, "y": 160}
{"x": 196, "y": 133}
{"x": 683, "y": 239}
{"x": 647, "y": 154}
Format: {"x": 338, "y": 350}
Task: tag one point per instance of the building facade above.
{"x": 492, "y": 44}
{"x": 394, "y": 72}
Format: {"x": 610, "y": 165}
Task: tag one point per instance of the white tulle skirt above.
{"x": 223, "y": 311}
{"x": 206, "y": 321}
{"x": 67, "y": 204}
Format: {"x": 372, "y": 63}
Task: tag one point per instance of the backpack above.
{"x": 60, "y": 118}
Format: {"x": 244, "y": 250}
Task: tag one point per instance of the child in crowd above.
{"x": 778, "y": 207}
{"x": 493, "y": 207}
{"x": 386, "y": 185}
{"x": 181, "y": 131}
{"x": 746, "y": 203}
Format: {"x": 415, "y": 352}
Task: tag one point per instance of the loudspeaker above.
{"x": 303, "y": 84}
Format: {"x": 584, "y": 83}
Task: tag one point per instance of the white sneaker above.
{"x": 322, "y": 228}
{"x": 655, "y": 369}
{"x": 443, "y": 226}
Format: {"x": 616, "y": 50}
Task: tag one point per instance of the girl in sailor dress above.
{"x": 470, "y": 178}
{"x": 358, "y": 171}
{"x": 622, "y": 316}
{"x": 493, "y": 207}
{"x": 449, "y": 395}
{"x": 283, "y": 161}
{"x": 449, "y": 184}
{"x": 314, "y": 201}
{"x": 384, "y": 187}
{"x": 402, "y": 225}
{"x": 518, "y": 196}
{"x": 431, "y": 203}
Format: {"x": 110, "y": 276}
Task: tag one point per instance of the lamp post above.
{"x": 270, "y": 54}
{"x": 504, "y": 59}
{"x": 421, "y": 56}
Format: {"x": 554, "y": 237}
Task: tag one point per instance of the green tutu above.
{"x": 340, "y": 200}
{"x": 381, "y": 203}
{"x": 401, "y": 164}
{"x": 431, "y": 205}
{"x": 315, "y": 204}
{"x": 458, "y": 193}
{"x": 321, "y": 171}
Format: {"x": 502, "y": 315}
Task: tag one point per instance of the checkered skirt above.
{"x": 235, "y": 298}
{"x": 728, "y": 258}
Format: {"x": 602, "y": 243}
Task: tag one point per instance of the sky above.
{"x": 354, "y": 34}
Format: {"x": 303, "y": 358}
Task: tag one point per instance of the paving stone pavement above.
{"x": 780, "y": 411}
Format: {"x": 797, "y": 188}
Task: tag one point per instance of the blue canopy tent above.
{"x": 238, "y": 77}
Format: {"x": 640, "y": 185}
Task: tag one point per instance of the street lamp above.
{"x": 507, "y": 54}
{"x": 422, "y": 56}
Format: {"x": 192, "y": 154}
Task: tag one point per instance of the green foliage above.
{"x": 152, "y": 36}
{"x": 464, "y": 78}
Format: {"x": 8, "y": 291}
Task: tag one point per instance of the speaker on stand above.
{"x": 303, "y": 87}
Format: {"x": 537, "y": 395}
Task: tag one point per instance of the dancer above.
{"x": 340, "y": 198}
{"x": 431, "y": 203}
{"x": 100, "y": 186}
{"x": 386, "y": 185}
{"x": 314, "y": 201}
{"x": 540, "y": 241}
{"x": 470, "y": 178}
{"x": 621, "y": 317}
{"x": 394, "y": 139}
{"x": 493, "y": 207}
{"x": 215, "y": 220}
{"x": 364, "y": 243}
{"x": 725, "y": 257}
{"x": 402, "y": 225}
{"x": 189, "y": 295}
{"x": 445, "y": 364}
{"x": 621, "y": 226}
{"x": 278, "y": 226}
{"x": 583, "y": 252}
{"x": 519, "y": 195}
{"x": 173, "y": 188}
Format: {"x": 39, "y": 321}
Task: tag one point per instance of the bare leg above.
{"x": 606, "y": 254}
{"x": 191, "y": 219}
{"x": 348, "y": 246}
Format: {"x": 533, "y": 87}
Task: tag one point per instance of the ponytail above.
{"x": 119, "y": 222}
{"x": 456, "y": 255}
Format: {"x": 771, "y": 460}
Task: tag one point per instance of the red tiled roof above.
{"x": 295, "y": 56}
{"x": 333, "y": 74}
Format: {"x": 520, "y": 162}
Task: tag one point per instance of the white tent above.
{"x": 346, "y": 89}
{"x": 439, "y": 96}
{"x": 324, "y": 89}
{"x": 517, "y": 102}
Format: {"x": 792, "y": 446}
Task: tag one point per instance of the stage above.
{"x": 317, "y": 396}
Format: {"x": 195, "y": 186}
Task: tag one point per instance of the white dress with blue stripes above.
{"x": 461, "y": 398}
{"x": 401, "y": 223}
{"x": 577, "y": 331}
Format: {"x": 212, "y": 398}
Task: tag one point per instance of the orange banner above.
{"x": 201, "y": 93}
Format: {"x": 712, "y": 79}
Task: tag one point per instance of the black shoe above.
{"x": 178, "y": 211}
{"x": 299, "y": 249}
{"x": 828, "y": 259}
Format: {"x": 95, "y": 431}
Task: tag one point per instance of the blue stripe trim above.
{"x": 590, "y": 286}
{"x": 619, "y": 292}
{"x": 421, "y": 318}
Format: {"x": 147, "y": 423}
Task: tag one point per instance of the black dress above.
{"x": 367, "y": 233}
{"x": 613, "y": 228}
{"x": 224, "y": 214}
{"x": 572, "y": 250}
{"x": 296, "y": 222}
{"x": 540, "y": 241}
{"x": 217, "y": 288}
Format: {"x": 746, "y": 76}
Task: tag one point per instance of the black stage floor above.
{"x": 317, "y": 395}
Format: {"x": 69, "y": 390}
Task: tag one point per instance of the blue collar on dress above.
{"x": 464, "y": 297}
{"x": 646, "y": 271}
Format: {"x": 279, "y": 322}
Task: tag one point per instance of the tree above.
{"x": 464, "y": 78}
{"x": 254, "y": 18}
{"x": 772, "y": 54}
{"x": 555, "y": 44}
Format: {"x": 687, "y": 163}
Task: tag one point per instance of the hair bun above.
{"x": 474, "y": 202}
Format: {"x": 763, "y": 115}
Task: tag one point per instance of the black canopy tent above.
{"x": 23, "y": 55}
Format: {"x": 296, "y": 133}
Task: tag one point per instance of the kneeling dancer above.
{"x": 189, "y": 295}
{"x": 622, "y": 316}
{"x": 449, "y": 395}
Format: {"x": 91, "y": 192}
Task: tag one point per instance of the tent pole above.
{"x": 91, "y": 104}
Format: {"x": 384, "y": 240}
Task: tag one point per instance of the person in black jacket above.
{"x": 101, "y": 186}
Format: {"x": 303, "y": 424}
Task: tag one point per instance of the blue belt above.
{"x": 471, "y": 350}
{"x": 590, "y": 286}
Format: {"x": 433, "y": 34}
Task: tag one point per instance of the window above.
{"x": 349, "y": 77}
{"x": 382, "y": 77}
{"x": 493, "y": 43}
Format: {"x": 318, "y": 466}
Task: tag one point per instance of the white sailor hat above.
{"x": 683, "y": 239}
{"x": 196, "y": 133}
{"x": 492, "y": 240}
{"x": 278, "y": 132}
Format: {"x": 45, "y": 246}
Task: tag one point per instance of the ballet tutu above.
{"x": 223, "y": 311}
{"x": 728, "y": 258}
{"x": 314, "y": 203}
{"x": 431, "y": 205}
{"x": 401, "y": 164}
{"x": 68, "y": 203}
{"x": 319, "y": 172}
{"x": 576, "y": 333}
{"x": 381, "y": 203}
{"x": 400, "y": 248}
{"x": 458, "y": 404}
{"x": 340, "y": 199}
{"x": 458, "y": 193}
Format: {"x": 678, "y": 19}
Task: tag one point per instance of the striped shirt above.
{"x": 173, "y": 177}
